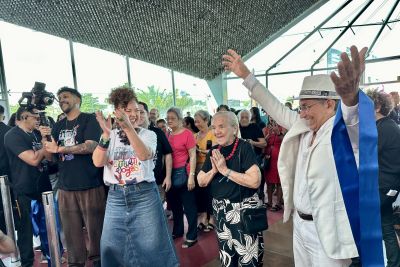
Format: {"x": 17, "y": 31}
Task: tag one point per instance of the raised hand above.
{"x": 348, "y": 81}
{"x": 104, "y": 124}
{"x": 233, "y": 62}
{"x": 219, "y": 161}
{"x": 213, "y": 166}
{"x": 122, "y": 120}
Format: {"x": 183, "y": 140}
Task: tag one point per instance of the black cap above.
{"x": 71, "y": 90}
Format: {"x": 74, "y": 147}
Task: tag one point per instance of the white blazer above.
{"x": 328, "y": 210}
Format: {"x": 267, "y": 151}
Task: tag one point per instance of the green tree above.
{"x": 246, "y": 104}
{"x": 163, "y": 100}
{"x": 91, "y": 103}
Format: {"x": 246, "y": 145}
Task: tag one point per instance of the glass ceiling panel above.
{"x": 306, "y": 54}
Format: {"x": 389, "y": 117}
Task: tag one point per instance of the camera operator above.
{"x": 81, "y": 196}
{"x": 29, "y": 176}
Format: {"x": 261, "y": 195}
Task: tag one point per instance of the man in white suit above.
{"x": 322, "y": 235}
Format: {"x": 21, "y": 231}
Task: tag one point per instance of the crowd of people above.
{"x": 116, "y": 176}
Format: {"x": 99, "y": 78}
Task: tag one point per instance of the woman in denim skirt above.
{"x": 135, "y": 230}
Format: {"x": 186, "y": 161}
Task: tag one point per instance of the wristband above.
{"x": 228, "y": 173}
{"x": 191, "y": 173}
{"x": 101, "y": 148}
{"x": 104, "y": 143}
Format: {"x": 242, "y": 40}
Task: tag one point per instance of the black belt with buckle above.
{"x": 306, "y": 217}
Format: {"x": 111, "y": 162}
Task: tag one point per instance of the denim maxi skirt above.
{"x": 135, "y": 230}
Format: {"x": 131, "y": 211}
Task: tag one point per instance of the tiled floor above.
{"x": 278, "y": 247}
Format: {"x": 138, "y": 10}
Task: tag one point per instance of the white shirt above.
{"x": 123, "y": 166}
{"x": 301, "y": 197}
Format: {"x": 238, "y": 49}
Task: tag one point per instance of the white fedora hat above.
{"x": 318, "y": 86}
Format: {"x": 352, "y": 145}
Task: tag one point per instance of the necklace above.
{"x": 233, "y": 149}
{"x": 30, "y": 134}
{"x": 74, "y": 120}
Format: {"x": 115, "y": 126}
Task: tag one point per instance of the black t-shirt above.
{"x": 261, "y": 125}
{"x": 395, "y": 115}
{"x": 26, "y": 179}
{"x": 243, "y": 159}
{"x": 252, "y": 132}
{"x": 4, "y": 168}
{"x": 388, "y": 154}
{"x": 77, "y": 172}
{"x": 163, "y": 148}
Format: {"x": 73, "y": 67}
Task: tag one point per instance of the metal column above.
{"x": 3, "y": 84}
{"x": 8, "y": 214}
{"x": 51, "y": 226}
{"x": 128, "y": 71}
{"x": 71, "y": 50}
{"x": 173, "y": 87}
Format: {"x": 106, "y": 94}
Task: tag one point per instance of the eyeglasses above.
{"x": 306, "y": 108}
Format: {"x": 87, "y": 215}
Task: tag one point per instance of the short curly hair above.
{"x": 121, "y": 96}
{"x": 381, "y": 100}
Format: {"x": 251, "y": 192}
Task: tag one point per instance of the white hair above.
{"x": 231, "y": 118}
{"x": 242, "y": 111}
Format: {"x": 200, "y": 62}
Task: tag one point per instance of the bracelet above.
{"x": 228, "y": 173}
{"x": 104, "y": 143}
{"x": 191, "y": 173}
{"x": 101, "y": 148}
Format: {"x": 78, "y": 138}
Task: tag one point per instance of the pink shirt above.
{"x": 181, "y": 143}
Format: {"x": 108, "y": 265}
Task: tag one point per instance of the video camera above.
{"x": 39, "y": 99}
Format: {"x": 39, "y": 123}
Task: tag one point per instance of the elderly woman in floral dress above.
{"x": 232, "y": 172}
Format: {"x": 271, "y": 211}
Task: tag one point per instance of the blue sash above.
{"x": 360, "y": 187}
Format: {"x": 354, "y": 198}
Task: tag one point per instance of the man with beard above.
{"x": 153, "y": 116}
{"x": 29, "y": 176}
{"x": 81, "y": 193}
{"x": 162, "y": 175}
